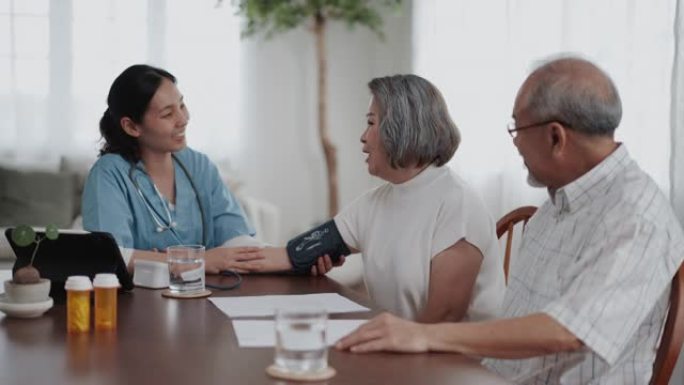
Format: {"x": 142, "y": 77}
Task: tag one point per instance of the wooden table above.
{"x": 170, "y": 341}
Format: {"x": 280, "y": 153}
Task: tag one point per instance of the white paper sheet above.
{"x": 4, "y": 276}
{"x": 261, "y": 333}
{"x": 258, "y": 306}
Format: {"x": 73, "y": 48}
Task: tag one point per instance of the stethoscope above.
{"x": 171, "y": 224}
{"x": 158, "y": 220}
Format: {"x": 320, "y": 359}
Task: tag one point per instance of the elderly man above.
{"x": 588, "y": 295}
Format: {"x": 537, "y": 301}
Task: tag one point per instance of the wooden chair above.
{"x": 673, "y": 333}
{"x": 506, "y": 225}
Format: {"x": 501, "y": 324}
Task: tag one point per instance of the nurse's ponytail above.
{"x": 116, "y": 140}
{"x": 129, "y": 96}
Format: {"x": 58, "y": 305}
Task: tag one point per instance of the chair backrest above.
{"x": 506, "y": 225}
{"x": 673, "y": 333}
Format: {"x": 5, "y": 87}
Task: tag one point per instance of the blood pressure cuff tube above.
{"x": 305, "y": 248}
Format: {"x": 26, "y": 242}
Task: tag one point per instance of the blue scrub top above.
{"x": 111, "y": 203}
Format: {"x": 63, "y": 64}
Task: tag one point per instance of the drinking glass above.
{"x": 186, "y": 269}
{"x": 300, "y": 340}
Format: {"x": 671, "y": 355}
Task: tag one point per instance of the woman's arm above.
{"x": 230, "y": 258}
{"x": 215, "y": 260}
{"x": 276, "y": 260}
{"x": 452, "y": 276}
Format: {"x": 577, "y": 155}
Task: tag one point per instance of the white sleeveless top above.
{"x": 399, "y": 228}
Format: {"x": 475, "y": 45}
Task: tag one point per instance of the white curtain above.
{"x": 478, "y": 52}
{"x": 677, "y": 170}
{"x": 58, "y": 59}
{"x": 677, "y": 165}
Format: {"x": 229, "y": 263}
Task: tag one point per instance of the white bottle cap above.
{"x": 78, "y": 282}
{"x": 106, "y": 280}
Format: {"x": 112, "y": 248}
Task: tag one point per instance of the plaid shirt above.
{"x": 598, "y": 257}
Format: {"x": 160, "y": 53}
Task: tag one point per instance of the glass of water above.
{"x": 300, "y": 340}
{"x": 186, "y": 269}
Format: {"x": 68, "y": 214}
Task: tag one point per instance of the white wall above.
{"x": 282, "y": 161}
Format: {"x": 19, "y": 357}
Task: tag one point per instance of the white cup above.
{"x": 186, "y": 268}
{"x": 27, "y": 292}
{"x": 300, "y": 340}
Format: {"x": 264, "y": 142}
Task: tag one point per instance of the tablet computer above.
{"x": 73, "y": 253}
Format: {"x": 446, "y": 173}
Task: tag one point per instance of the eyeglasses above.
{"x": 513, "y": 130}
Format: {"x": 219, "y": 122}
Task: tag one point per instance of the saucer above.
{"x": 168, "y": 294}
{"x": 24, "y": 310}
{"x": 277, "y": 372}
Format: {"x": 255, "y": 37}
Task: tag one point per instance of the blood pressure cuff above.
{"x": 305, "y": 248}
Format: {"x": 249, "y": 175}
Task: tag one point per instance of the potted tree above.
{"x": 274, "y": 16}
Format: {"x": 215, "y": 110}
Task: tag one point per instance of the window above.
{"x": 58, "y": 59}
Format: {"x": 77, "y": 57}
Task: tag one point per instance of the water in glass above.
{"x": 186, "y": 269}
{"x": 300, "y": 342}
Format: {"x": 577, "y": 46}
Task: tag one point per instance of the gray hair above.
{"x": 415, "y": 126}
{"x": 577, "y": 93}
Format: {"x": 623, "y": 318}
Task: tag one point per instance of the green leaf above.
{"x": 275, "y": 16}
{"x": 51, "y": 232}
{"x": 23, "y": 235}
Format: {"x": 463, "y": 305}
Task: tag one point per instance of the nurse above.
{"x": 151, "y": 191}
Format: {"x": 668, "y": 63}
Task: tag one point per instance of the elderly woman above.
{"x": 428, "y": 243}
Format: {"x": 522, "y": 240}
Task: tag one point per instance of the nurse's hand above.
{"x": 230, "y": 258}
{"x": 274, "y": 259}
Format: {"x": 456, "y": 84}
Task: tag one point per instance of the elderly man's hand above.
{"x": 386, "y": 332}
